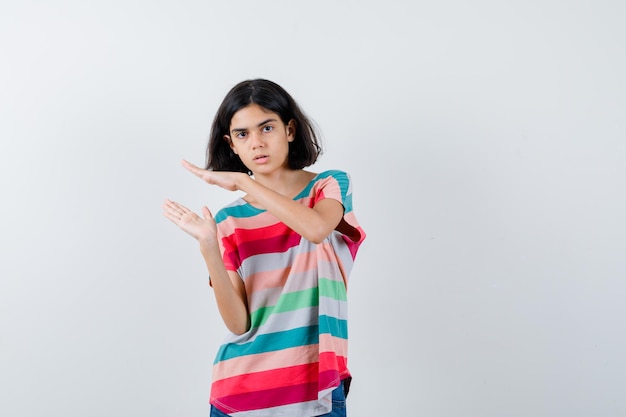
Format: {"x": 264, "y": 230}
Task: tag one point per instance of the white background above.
{"x": 487, "y": 145}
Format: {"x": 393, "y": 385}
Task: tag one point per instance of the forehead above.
{"x": 250, "y": 116}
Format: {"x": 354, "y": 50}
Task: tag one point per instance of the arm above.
{"x": 230, "y": 293}
{"x": 313, "y": 224}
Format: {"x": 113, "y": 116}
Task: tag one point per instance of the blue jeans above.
{"x": 339, "y": 400}
{"x": 339, "y": 403}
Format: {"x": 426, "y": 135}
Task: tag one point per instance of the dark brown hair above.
{"x": 303, "y": 150}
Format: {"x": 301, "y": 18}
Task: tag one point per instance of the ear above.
{"x": 291, "y": 130}
{"x": 230, "y": 143}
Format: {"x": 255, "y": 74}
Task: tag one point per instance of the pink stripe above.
{"x": 263, "y": 232}
{"x": 268, "y": 398}
{"x": 328, "y": 379}
{"x": 277, "y": 278}
{"x": 331, "y": 362}
{"x": 277, "y": 244}
{"x": 266, "y": 361}
{"x": 257, "y": 381}
{"x": 329, "y": 343}
{"x": 228, "y": 226}
{"x": 266, "y": 280}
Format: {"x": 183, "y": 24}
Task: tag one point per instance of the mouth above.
{"x": 260, "y": 158}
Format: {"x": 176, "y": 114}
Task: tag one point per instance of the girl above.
{"x": 278, "y": 259}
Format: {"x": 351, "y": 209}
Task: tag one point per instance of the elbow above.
{"x": 317, "y": 236}
{"x": 238, "y": 328}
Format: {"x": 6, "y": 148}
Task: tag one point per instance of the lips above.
{"x": 260, "y": 158}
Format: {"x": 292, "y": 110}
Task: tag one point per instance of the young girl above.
{"x": 278, "y": 259}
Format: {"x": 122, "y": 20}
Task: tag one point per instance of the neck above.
{"x": 286, "y": 182}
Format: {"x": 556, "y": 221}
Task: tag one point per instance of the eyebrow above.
{"x": 259, "y": 125}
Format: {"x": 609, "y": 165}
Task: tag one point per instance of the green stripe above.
{"x": 332, "y": 289}
{"x": 287, "y": 302}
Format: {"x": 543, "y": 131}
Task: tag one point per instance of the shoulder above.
{"x": 334, "y": 184}
{"x": 337, "y": 178}
{"x": 332, "y": 173}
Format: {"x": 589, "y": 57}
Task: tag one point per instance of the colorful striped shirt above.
{"x": 295, "y": 352}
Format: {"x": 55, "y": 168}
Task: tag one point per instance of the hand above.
{"x": 201, "y": 228}
{"x": 225, "y": 179}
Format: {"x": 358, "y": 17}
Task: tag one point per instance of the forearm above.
{"x": 231, "y": 301}
{"x": 313, "y": 225}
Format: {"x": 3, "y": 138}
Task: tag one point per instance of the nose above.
{"x": 256, "y": 140}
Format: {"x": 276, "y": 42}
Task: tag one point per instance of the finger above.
{"x": 206, "y": 212}
{"x": 172, "y": 214}
{"x": 174, "y": 205}
{"x": 172, "y": 218}
{"x": 174, "y": 211}
{"x": 193, "y": 169}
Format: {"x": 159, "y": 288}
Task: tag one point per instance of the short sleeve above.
{"x": 227, "y": 239}
{"x": 335, "y": 185}
{"x": 338, "y": 185}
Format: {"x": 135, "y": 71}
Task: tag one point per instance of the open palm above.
{"x": 200, "y": 227}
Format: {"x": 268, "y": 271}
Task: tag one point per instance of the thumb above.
{"x": 206, "y": 212}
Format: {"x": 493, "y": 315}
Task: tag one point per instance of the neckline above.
{"x": 298, "y": 196}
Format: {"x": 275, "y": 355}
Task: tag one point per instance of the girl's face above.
{"x": 260, "y": 139}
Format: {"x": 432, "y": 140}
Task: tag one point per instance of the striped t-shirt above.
{"x": 295, "y": 352}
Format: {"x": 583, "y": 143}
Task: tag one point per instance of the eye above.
{"x": 268, "y": 128}
{"x": 241, "y": 135}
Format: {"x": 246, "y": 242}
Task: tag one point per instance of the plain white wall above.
{"x": 487, "y": 145}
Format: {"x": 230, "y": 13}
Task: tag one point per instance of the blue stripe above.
{"x": 336, "y": 327}
{"x": 301, "y": 336}
{"x": 339, "y": 176}
{"x": 347, "y": 203}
